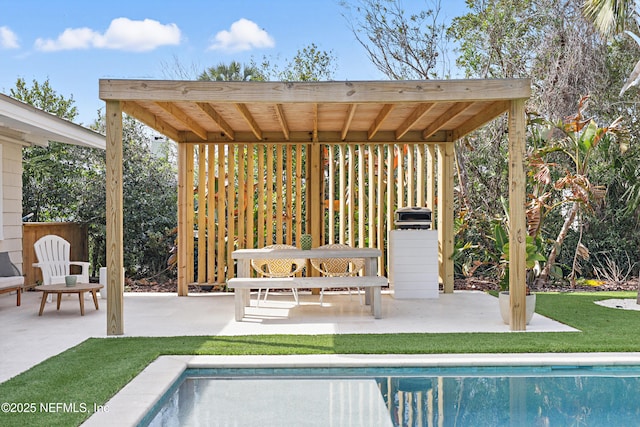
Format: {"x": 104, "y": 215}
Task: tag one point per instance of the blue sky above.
{"x": 74, "y": 43}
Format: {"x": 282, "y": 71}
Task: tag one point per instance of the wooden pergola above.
{"x": 226, "y": 126}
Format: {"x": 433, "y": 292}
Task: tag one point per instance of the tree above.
{"x": 233, "y": 72}
{"x": 53, "y": 177}
{"x": 64, "y": 182}
{"x": 401, "y": 45}
{"x": 149, "y": 203}
{"x": 42, "y": 96}
{"x": 308, "y": 64}
{"x": 614, "y": 17}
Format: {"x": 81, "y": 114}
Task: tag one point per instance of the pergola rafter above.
{"x": 363, "y": 127}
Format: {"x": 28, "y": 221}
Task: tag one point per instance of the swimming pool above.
{"x": 407, "y": 396}
{"x": 133, "y": 403}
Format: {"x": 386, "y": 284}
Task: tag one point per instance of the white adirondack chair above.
{"x": 53, "y": 259}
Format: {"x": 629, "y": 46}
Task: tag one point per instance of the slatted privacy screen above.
{"x": 254, "y": 195}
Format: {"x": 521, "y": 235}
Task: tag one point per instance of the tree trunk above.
{"x": 551, "y": 260}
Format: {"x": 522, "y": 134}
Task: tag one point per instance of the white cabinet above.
{"x": 413, "y": 263}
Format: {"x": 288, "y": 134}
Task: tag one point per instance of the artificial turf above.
{"x": 90, "y": 373}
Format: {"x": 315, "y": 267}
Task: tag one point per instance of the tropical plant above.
{"x": 579, "y": 137}
{"x": 234, "y": 71}
{"x": 613, "y": 17}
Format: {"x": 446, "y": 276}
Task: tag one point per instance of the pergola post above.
{"x": 114, "y": 215}
{"x": 517, "y": 216}
{"x": 445, "y": 214}
{"x": 185, "y": 225}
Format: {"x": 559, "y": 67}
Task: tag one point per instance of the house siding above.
{"x": 12, "y": 202}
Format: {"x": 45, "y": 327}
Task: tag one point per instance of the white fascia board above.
{"x": 39, "y": 126}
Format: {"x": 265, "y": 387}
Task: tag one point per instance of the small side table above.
{"x": 79, "y": 288}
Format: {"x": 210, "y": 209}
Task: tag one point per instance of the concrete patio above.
{"x": 28, "y": 339}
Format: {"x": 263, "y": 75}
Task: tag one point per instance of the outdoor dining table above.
{"x": 244, "y": 257}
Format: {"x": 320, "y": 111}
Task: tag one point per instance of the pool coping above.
{"x": 129, "y": 406}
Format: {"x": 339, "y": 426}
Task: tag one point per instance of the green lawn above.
{"x": 96, "y": 369}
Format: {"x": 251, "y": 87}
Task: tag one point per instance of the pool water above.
{"x": 493, "y": 396}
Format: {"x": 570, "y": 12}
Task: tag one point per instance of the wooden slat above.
{"x": 361, "y": 193}
{"x": 249, "y": 239}
{"x": 400, "y": 181}
{"x": 315, "y": 206}
{"x": 351, "y": 111}
{"x": 242, "y": 194}
{"x": 261, "y": 197}
{"x": 202, "y": 214}
{"x": 222, "y": 220}
{"x": 269, "y": 213}
{"x": 342, "y": 196}
{"x": 391, "y": 191}
{"x": 231, "y": 205}
{"x": 332, "y": 194}
{"x": 299, "y": 189}
{"x": 352, "y": 195}
{"x": 246, "y": 114}
{"x": 380, "y": 197}
{"x": 289, "y": 195}
{"x": 413, "y": 118}
{"x": 189, "y": 221}
{"x": 431, "y": 178}
{"x": 371, "y": 186}
{"x": 279, "y": 193}
{"x": 217, "y": 118}
{"x": 377, "y": 123}
{"x": 446, "y": 117}
{"x": 114, "y": 216}
{"x": 410, "y": 176}
{"x": 282, "y": 119}
{"x": 420, "y": 175}
{"x": 184, "y": 118}
{"x": 211, "y": 214}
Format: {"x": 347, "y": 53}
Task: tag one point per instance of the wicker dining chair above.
{"x": 280, "y": 267}
{"x": 338, "y": 267}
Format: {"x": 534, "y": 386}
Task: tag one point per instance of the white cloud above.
{"x": 243, "y": 35}
{"x": 122, "y": 34}
{"x": 8, "y": 39}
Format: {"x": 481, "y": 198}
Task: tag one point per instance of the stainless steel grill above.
{"x": 413, "y": 218}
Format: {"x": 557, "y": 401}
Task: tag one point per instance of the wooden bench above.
{"x": 243, "y": 285}
{"x": 10, "y": 284}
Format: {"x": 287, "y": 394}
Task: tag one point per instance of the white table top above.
{"x": 311, "y": 253}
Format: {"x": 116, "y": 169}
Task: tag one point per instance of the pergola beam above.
{"x": 184, "y": 118}
{"x": 351, "y": 111}
{"x": 355, "y": 137}
{"x": 255, "y": 128}
{"x": 217, "y": 118}
{"x": 153, "y": 121}
{"x": 401, "y": 91}
{"x": 282, "y": 119}
{"x": 375, "y": 126}
{"x": 445, "y": 118}
{"x": 415, "y": 116}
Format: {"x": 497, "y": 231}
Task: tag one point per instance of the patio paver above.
{"x": 28, "y": 339}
